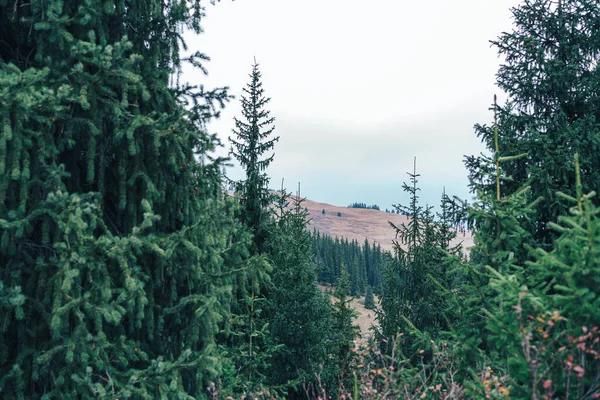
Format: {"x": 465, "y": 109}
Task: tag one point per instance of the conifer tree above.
{"x": 572, "y": 269}
{"x": 369, "y": 299}
{"x": 117, "y": 248}
{"x": 248, "y": 341}
{"x": 298, "y": 312}
{"x": 499, "y": 221}
{"x": 531, "y": 319}
{"x": 367, "y": 265}
{"x": 250, "y": 145}
{"x": 375, "y": 275}
{"x": 551, "y": 76}
{"x": 354, "y": 276}
{"x": 412, "y": 302}
{"x": 549, "y": 327}
{"x": 343, "y": 331}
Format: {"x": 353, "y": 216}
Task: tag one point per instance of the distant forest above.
{"x": 364, "y": 205}
{"x": 364, "y": 262}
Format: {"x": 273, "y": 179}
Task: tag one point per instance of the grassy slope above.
{"x": 356, "y": 223}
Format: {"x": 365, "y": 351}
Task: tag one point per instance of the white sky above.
{"x": 359, "y": 88}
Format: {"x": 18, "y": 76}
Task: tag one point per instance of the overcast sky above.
{"x": 359, "y": 88}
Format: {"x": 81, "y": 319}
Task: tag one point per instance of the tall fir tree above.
{"x": 251, "y": 142}
{"x": 343, "y": 333}
{"x": 248, "y": 340}
{"x": 412, "y": 302}
{"x": 525, "y": 309}
{"x": 369, "y": 299}
{"x": 499, "y": 222}
{"x": 551, "y": 76}
{"x": 298, "y": 313}
{"x": 114, "y": 239}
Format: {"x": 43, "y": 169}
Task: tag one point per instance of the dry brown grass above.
{"x": 360, "y": 224}
{"x": 365, "y": 319}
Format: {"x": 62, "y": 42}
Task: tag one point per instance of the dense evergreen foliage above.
{"x": 343, "y": 333}
{"x": 414, "y": 279}
{"x": 551, "y": 76}
{"x": 364, "y": 263}
{"x": 118, "y": 249}
{"x": 299, "y": 314}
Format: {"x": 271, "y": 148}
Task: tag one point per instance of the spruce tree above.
{"x": 548, "y": 331}
{"x": 531, "y": 319}
{"x": 250, "y": 145}
{"x": 117, "y": 247}
{"x": 366, "y": 265}
{"x": 369, "y": 299}
{"x": 375, "y": 275}
{"x": 354, "y": 276}
{"x": 343, "y": 332}
{"x": 500, "y": 223}
{"x": 572, "y": 269}
{"x": 248, "y": 342}
{"x": 551, "y": 76}
{"x": 412, "y": 302}
{"x": 297, "y": 311}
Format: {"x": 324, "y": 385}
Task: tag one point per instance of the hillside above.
{"x": 360, "y": 223}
